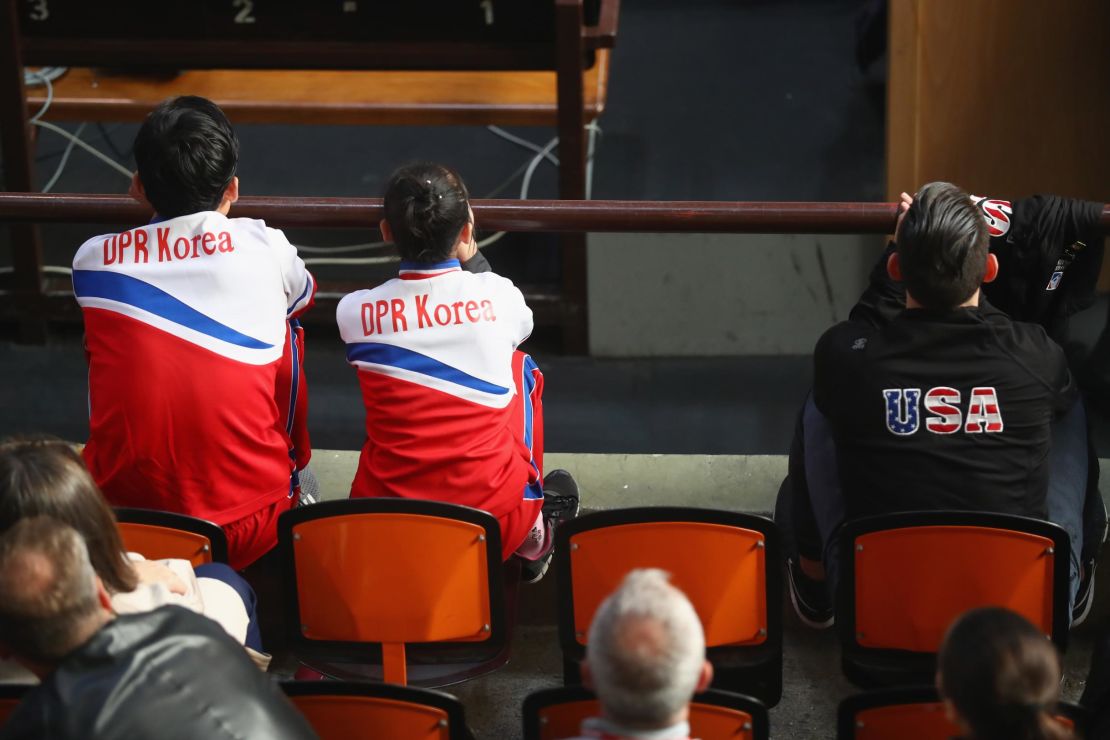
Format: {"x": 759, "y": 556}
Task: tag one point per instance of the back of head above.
{"x": 646, "y": 650}
{"x": 186, "y": 152}
{"x": 44, "y": 476}
{"x": 942, "y": 247}
{"x": 426, "y": 206}
{"x": 1002, "y": 676}
{"x": 48, "y": 590}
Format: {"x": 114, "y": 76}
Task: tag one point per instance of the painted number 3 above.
{"x": 246, "y": 8}
{"x": 39, "y": 10}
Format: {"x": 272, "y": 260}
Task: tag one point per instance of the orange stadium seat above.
{"x": 343, "y": 710}
{"x": 370, "y": 576}
{"x": 728, "y": 564}
{"x": 912, "y": 713}
{"x": 714, "y": 715}
{"x": 10, "y": 696}
{"x": 158, "y": 535}
{"x": 905, "y": 577}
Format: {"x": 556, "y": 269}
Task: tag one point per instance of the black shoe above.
{"x": 810, "y": 600}
{"x": 561, "y": 500}
{"x": 561, "y": 503}
{"x": 1085, "y": 598}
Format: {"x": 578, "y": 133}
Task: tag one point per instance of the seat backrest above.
{"x": 714, "y": 715}
{"x": 340, "y": 710}
{"x": 909, "y": 713}
{"x": 158, "y": 535}
{"x": 726, "y": 564}
{"x": 906, "y": 577}
{"x": 10, "y": 696}
{"x": 392, "y": 571}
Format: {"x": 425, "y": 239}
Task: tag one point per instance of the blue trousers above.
{"x": 225, "y": 573}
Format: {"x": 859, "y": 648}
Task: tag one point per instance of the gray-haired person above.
{"x": 645, "y": 660}
{"x": 169, "y": 673}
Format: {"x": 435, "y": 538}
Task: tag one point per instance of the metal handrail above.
{"x": 741, "y": 217}
{"x": 496, "y": 215}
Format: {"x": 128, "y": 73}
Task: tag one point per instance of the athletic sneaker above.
{"x": 1085, "y": 598}
{"x": 309, "y": 487}
{"x": 809, "y": 597}
{"x": 561, "y": 500}
{"x": 561, "y": 503}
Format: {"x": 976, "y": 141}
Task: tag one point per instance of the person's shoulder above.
{"x": 846, "y": 337}
{"x": 1029, "y": 344}
{"x": 1023, "y": 333}
{"x": 358, "y": 297}
{"x": 255, "y": 227}
{"x": 94, "y": 244}
{"x": 493, "y": 282}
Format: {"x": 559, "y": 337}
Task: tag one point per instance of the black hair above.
{"x": 942, "y": 247}
{"x": 1002, "y": 675}
{"x": 426, "y": 206}
{"x": 186, "y": 152}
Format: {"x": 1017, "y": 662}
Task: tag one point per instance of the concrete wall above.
{"x": 721, "y": 294}
{"x": 733, "y": 482}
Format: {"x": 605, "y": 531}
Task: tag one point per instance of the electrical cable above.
{"x": 106, "y": 135}
{"x": 46, "y": 75}
{"x": 351, "y": 260}
{"x": 498, "y": 131}
{"x": 524, "y": 185}
{"x": 340, "y": 249}
{"x": 65, "y": 159}
{"x": 49, "y": 97}
{"x": 91, "y": 150}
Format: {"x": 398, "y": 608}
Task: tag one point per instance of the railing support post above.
{"x": 15, "y": 142}
{"x": 570, "y": 62}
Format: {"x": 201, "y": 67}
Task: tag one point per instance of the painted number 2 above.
{"x": 39, "y": 11}
{"x": 487, "y": 8}
{"x": 245, "y": 14}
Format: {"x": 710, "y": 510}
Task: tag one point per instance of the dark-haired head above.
{"x": 44, "y": 476}
{"x": 427, "y": 212}
{"x": 942, "y": 248}
{"x": 186, "y": 152}
{"x": 1001, "y": 676}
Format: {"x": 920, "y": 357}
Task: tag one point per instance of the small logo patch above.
{"x": 996, "y": 213}
{"x": 1054, "y": 281}
{"x": 859, "y": 343}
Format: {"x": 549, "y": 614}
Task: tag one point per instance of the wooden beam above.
{"x": 449, "y": 98}
{"x": 15, "y": 146}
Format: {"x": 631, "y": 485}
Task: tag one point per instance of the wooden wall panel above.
{"x": 1002, "y": 97}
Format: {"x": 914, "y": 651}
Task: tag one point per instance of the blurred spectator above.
{"x": 1000, "y": 678}
{"x": 168, "y": 673}
{"x": 645, "y": 660}
{"x": 46, "y": 477}
{"x": 1096, "y": 697}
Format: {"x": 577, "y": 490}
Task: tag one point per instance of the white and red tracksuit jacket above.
{"x": 451, "y": 406}
{"x": 194, "y": 364}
